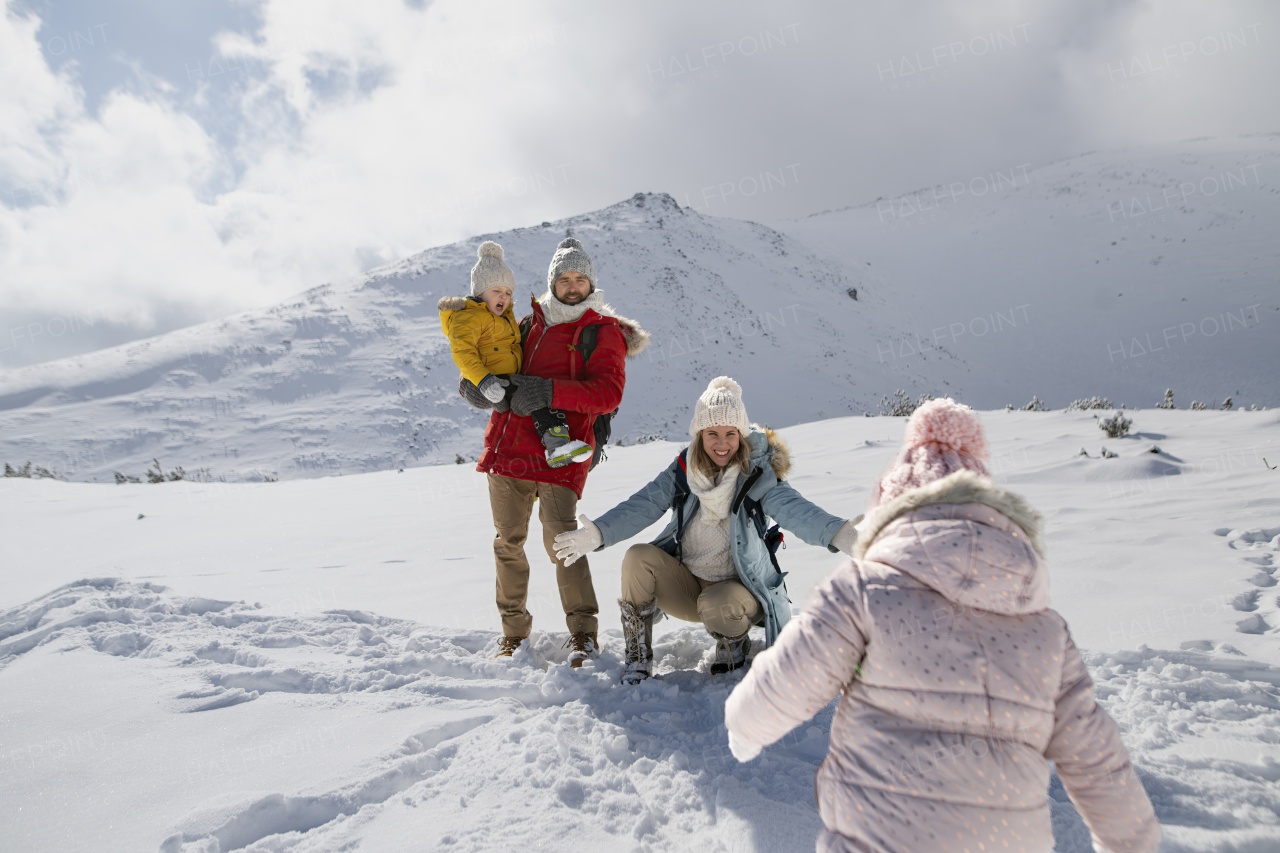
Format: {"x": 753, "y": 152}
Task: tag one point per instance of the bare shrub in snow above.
{"x": 39, "y": 472}
{"x": 156, "y": 474}
{"x": 900, "y": 405}
{"x": 1116, "y": 426}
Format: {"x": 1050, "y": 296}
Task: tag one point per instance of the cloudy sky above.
{"x": 164, "y": 163}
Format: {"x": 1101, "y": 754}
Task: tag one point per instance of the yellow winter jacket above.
{"x": 481, "y": 343}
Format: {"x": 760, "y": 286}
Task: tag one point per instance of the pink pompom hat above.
{"x": 942, "y": 437}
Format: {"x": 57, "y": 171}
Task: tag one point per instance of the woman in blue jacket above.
{"x": 712, "y": 563}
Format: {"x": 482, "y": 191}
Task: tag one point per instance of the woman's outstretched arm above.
{"x": 640, "y": 510}
{"x": 794, "y": 512}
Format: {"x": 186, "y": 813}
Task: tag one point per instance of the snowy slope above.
{"x": 305, "y": 665}
{"x": 357, "y": 376}
{"x": 1117, "y": 274}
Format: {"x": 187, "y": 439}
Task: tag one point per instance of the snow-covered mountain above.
{"x": 1108, "y": 274}
{"x": 357, "y": 376}
{"x": 1117, "y": 274}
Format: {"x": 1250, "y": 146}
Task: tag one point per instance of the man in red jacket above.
{"x": 554, "y": 375}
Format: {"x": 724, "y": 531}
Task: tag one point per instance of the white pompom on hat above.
{"x": 570, "y": 257}
{"x": 720, "y": 405}
{"x": 490, "y": 270}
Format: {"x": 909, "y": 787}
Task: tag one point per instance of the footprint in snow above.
{"x": 1260, "y": 543}
{"x": 232, "y": 652}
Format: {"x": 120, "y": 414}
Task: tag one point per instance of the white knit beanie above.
{"x": 490, "y": 271}
{"x": 720, "y": 405}
{"x": 569, "y": 257}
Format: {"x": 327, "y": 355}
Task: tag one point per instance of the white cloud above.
{"x": 34, "y": 104}
{"x": 335, "y": 136}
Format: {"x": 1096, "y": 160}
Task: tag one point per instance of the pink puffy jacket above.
{"x": 960, "y": 686}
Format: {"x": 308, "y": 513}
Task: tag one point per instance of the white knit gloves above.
{"x": 846, "y": 537}
{"x": 742, "y": 750}
{"x": 573, "y": 544}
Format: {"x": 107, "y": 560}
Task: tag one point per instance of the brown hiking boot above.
{"x": 637, "y": 635}
{"x": 581, "y": 646}
{"x": 731, "y": 653}
{"x": 507, "y": 646}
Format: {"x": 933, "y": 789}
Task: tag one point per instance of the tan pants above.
{"x": 511, "y": 502}
{"x": 651, "y": 574}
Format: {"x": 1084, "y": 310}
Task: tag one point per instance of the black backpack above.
{"x": 586, "y": 345}
{"x": 773, "y": 536}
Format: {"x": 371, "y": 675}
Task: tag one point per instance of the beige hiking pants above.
{"x": 511, "y": 502}
{"x": 651, "y": 574}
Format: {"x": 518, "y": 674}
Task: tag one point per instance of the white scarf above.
{"x": 714, "y": 492}
{"x": 704, "y": 546}
{"x": 556, "y": 312}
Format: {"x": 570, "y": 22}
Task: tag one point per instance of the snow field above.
{"x": 566, "y": 745}
{"x": 307, "y": 665}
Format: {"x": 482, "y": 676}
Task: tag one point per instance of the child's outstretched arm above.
{"x": 1094, "y": 766}
{"x": 815, "y": 658}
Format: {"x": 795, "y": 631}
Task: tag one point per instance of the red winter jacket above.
{"x": 580, "y": 389}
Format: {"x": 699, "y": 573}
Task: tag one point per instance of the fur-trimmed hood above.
{"x": 636, "y": 337}
{"x": 965, "y": 537}
{"x": 451, "y": 303}
{"x": 780, "y": 457}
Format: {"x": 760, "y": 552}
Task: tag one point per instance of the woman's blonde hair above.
{"x": 706, "y": 466}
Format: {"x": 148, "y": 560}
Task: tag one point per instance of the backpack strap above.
{"x": 746, "y": 487}
{"x": 773, "y": 536}
{"x": 587, "y": 340}
{"x": 681, "y": 495}
{"x": 755, "y": 511}
{"x": 602, "y": 426}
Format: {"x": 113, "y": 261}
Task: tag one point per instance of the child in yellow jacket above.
{"x": 484, "y": 339}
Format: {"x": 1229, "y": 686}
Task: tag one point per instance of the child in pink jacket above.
{"x": 959, "y": 684}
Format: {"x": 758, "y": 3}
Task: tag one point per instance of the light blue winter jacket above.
{"x": 771, "y": 458}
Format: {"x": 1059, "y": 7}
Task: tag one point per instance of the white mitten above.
{"x": 574, "y": 544}
{"x": 742, "y": 750}
{"x": 846, "y": 537}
